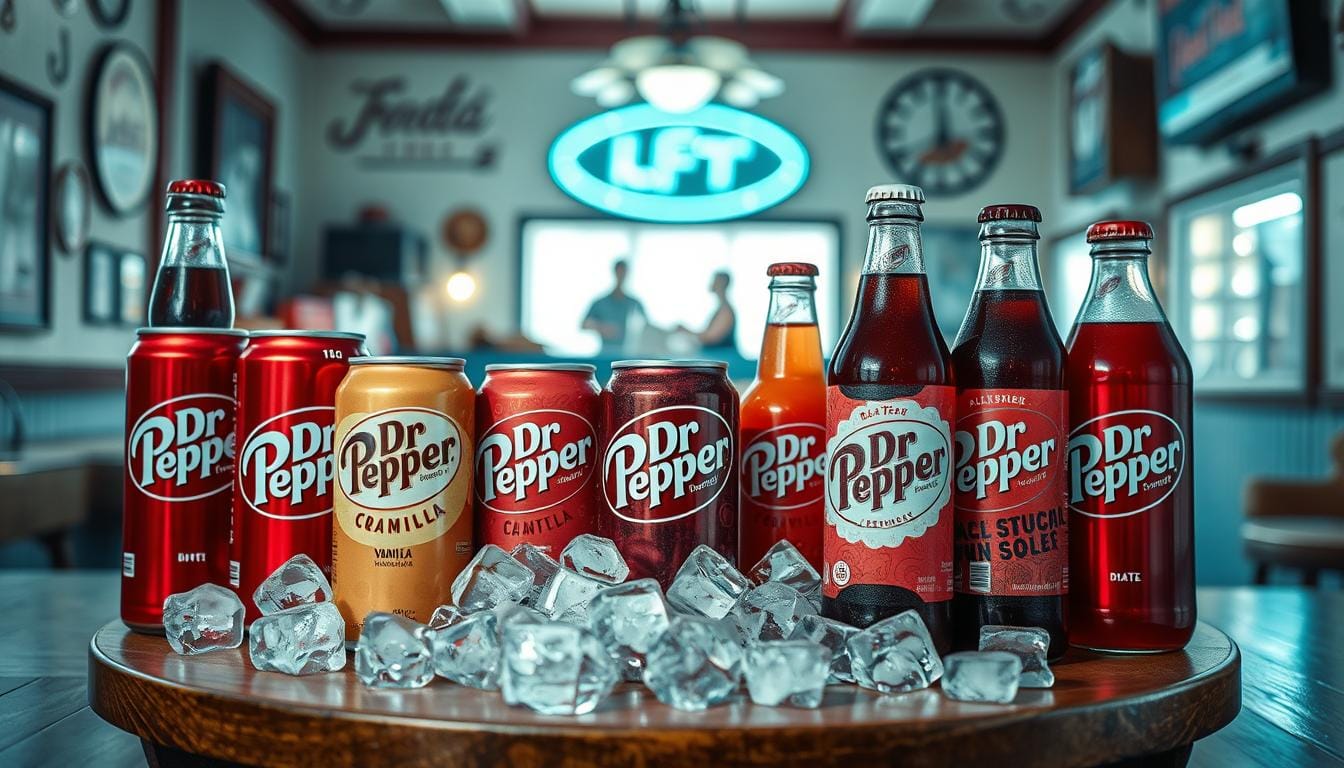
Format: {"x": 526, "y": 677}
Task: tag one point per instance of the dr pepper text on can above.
{"x": 178, "y": 481}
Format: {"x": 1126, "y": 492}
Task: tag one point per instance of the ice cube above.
{"x": 792, "y": 671}
{"x": 207, "y": 618}
{"x": 596, "y": 558}
{"x": 706, "y": 585}
{"x": 1029, "y": 644}
{"x": 467, "y": 651}
{"x": 513, "y": 612}
{"x": 785, "y": 564}
{"x": 895, "y": 655}
{"x": 541, "y": 564}
{"x": 555, "y": 668}
{"x": 297, "y": 582}
{"x": 835, "y": 636}
{"x": 491, "y": 578}
{"x": 393, "y": 652}
{"x": 302, "y": 640}
{"x": 771, "y": 611}
{"x": 566, "y": 596}
{"x": 695, "y": 664}
{"x": 982, "y": 676}
{"x": 627, "y": 619}
{"x": 445, "y": 616}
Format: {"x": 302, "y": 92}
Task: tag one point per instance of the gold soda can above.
{"x": 402, "y": 531}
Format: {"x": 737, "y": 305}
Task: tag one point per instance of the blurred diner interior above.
{"x": 441, "y": 175}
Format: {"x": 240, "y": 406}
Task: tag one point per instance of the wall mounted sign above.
{"x": 123, "y": 128}
{"x": 940, "y": 129}
{"x": 713, "y": 164}
{"x": 1112, "y": 123}
{"x": 394, "y": 131}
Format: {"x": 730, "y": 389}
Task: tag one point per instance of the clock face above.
{"x": 940, "y": 129}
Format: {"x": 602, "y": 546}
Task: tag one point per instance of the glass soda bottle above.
{"x": 783, "y": 425}
{"x": 1131, "y": 497}
{"x": 890, "y": 400}
{"x": 191, "y": 288}
{"x": 1011, "y": 434}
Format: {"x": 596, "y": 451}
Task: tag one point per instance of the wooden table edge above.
{"x": 430, "y": 741}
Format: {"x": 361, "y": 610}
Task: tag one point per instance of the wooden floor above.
{"x": 1292, "y": 641}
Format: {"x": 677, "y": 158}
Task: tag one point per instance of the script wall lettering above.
{"x": 394, "y": 130}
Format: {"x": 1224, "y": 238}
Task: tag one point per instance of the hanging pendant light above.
{"x": 677, "y": 72}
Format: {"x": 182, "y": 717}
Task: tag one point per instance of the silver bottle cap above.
{"x": 906, "y": 192}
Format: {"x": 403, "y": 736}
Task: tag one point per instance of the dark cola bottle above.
{"x": 191, "y": 288}
{"x": 1012, "y": 432}
{"x": 890, "y": 397}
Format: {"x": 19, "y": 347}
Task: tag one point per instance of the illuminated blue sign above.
{"x": 712, "y": 164}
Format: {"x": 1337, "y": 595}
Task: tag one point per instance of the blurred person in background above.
{"x": 720, "y": 334}
{"x": 610, "y": 316}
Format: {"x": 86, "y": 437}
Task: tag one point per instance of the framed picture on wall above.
{"x": 237, "y": 148}
{"x": 1112, "y": 129}
{"x": 1244, "y": 279}
{"x": 1332, "y": 265}
{"x": 123, "y": 131}
{"x": 102, "y": 281}
{"x": 25, "y": 207}
{"x": 952, "y": 279}
{"x": 132, "y": 289}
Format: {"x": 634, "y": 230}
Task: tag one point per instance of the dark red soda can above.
{"x": 537, "y": 454}
{"x": 669, "y": 477}
{"x": 178, "y": 482}
{"x": 286, "y": 415}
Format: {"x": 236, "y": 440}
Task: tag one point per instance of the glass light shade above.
{"x": 677, "y": 88}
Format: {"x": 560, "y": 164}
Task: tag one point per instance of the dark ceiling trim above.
{"x": 554, "y": 32}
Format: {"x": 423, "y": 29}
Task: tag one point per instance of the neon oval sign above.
{"x": 713, "y": 164}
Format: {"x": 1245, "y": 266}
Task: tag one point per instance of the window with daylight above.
{"x": 567, "y": 264}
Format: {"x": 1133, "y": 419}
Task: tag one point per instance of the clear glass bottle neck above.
{"x": 193, "y": 240}
{"x": 792, "y": 301}
{"x": 1008, "y": 257}
{"x": 894, "y": 246}
{"x": 1120, "y": 291}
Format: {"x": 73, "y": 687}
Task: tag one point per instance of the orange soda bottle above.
{"x": 783, "y": 426}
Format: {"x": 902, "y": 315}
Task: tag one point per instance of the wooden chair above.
{"x": 1297, "y": 524}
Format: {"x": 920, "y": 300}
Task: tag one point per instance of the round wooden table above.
{"x": 1103, "y": 709}
{"x": 1309, "y": 543}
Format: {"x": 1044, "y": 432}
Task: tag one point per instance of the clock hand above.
{"x": 940, "y": 119}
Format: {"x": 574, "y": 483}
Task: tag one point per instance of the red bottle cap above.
{"x": 1119, "y": 230}
{"x": 196, "y": 187}
{"x": 1009, "y": 212}
{"x": 791, "y": 269}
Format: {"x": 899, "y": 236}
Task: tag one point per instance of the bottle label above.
{"x": 667, "y": 464}
{"x": 1124, "y": 463}
{"x": 397, "y": 471}
{"x": 889, "y": 492}
{"x": 1011, "y": 524}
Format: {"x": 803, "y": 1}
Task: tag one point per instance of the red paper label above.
{"x": 1011, "y": 522}
{"x": 889, "y": 492}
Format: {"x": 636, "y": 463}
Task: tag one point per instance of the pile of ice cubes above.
{"x": 557, "y": 635}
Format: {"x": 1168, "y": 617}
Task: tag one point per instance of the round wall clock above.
{"x": 465, "y": 231}
{"x": 123, "y": 128}
{"x": 940, "y": 129}
{"x": 72, "y": 205}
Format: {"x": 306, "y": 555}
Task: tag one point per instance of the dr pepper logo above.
{"x": 535, "y": 460}
{"x": 1124, "y": 463}
{"x": 285, "y": 467}
{"x": 667, "y": 464}
{"x": 888, "y": 474}
{"x": 785, "y": 467}
{"x": 399, "y": 457}
{"x": 1005, "y": 457}
{"x": 182, "y": 448}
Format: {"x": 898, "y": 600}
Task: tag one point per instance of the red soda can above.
{"x": 669, "y": 480}
{"x": 178, "y": 485}
{"x": 536, "y": 455}
{"x": 286, "y": 409}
